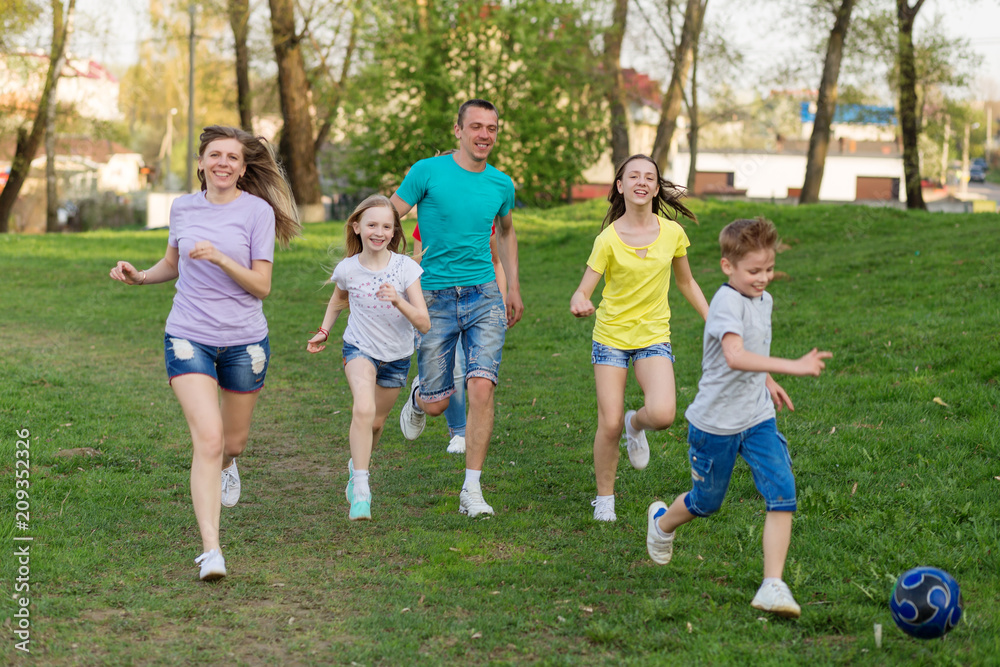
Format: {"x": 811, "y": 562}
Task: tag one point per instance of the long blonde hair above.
{"x": 352, "y": 241}
{"x": 263, "y": 178}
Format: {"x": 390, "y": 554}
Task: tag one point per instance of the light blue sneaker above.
{"x": 361, "y": 510}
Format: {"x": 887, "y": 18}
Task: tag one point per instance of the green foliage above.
{"x": 533, "y": 59}
{"x": 888, "y": 477}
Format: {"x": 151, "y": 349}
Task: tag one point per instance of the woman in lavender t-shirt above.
{"x": 220, "y": 249}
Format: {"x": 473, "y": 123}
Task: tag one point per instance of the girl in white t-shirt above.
{"x": 382, "y": 288}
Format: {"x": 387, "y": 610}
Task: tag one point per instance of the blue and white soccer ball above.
{"x": 926, "y": 602}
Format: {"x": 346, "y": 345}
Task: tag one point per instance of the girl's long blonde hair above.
{"x": 264, "y": 178}
{"x": 352, "y": 241}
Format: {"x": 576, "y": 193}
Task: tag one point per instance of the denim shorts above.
{"x": 605, "y": 355}
{"x": 476, "y": 312}
{"x": 237, "y": 368}
{"x": 388, "y": 374}
{"x": 712, "y": 459}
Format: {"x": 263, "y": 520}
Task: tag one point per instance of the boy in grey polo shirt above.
{"x": 733, "y": 412}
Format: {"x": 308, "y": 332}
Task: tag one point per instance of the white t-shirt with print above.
{"x": 376, "y": 327}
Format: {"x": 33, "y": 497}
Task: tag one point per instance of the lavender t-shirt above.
{"x": 210, "y": 307}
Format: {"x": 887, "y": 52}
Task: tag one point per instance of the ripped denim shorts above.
{"x": 237, "y": 368}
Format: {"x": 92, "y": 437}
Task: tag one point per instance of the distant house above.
{"x": 86, "y": 169}
{"x": 868, "y": 171}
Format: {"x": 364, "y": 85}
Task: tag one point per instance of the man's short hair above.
{"x": 482, "y": 104}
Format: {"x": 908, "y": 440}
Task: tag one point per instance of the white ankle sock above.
{"x": 472, "y": 478}
{"x": 361, "y": 489}
{"x": 768, "y": 580}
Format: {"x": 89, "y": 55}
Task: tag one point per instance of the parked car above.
{"x": 977, "y": 175}
{"x": 980, "y": 162}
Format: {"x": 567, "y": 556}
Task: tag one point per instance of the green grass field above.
{"x": 895, "y": 451}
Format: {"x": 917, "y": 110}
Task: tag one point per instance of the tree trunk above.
{"x": 616, "y": 88}
{"x": 826, "y": 105}
{"x": 239, "y": 17}
{"x": 28, "y": 142}
{"x": 670, "y": 108}
{"x": 693, "y": 118}
{"x": 333, "y": 104}
{"x": 296, "y": 145}
{"x": 908, "y": 114}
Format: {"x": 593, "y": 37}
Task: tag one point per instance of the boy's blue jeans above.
{"x": 713, "y": 457}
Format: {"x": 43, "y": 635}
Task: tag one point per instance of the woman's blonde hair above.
{"x": 352, "y": 240}
{"x": 263, "y": 178}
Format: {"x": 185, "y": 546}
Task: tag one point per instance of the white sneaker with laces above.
{"x": 411, "y": 419}
{"x": 638, "y": 448}
{"x": 457, "y": 445}
{"x": 661, "y": 549}
{"x": 471, "y": 502}
{"x": 230, "y": 485}
{"x": 213, "y": 565}
{"x": 775, "y": 597}
{"x": 604, "y": 509}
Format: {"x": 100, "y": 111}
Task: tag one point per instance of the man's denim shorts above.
{"x": 388, "y": 374}
{"x": 605, "y": 355}
{"x": 237, "y": 368}
{"x": 713, "y": 457}
{"x": 478, "y": 313}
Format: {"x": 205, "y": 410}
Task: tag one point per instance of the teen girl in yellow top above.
{"x": 635, "y": 254}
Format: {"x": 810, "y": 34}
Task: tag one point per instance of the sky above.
{"x": 110, "y": 31}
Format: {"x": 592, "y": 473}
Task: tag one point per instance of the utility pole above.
{"x": 944, "y": 153}
{"x": 965, "y": 159}
{"x": 189, "y": 180}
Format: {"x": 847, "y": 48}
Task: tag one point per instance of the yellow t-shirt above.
{"x": 634, "y": 312}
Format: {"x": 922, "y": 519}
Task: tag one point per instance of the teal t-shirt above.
{"x": 456, "y": 209}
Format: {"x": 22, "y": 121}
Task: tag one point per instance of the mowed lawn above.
{"x": 895, "y": 449}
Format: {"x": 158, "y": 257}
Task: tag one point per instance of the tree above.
{"x": 670, "y": 107}
{"x": 616, "y": 86}
{"x": 531, "y": 58}
{"x": 908, "y": 112}
{"x": 239, "y": 20}
{"x": 51, "y": 190}
{"x": 296, "y": 145}
{"x": 826, "y": 104}
{"x": 28, "y": 142}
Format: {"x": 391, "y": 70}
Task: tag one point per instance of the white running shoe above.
{"x": 412, "y": 419}
{"x": 604, "y": 509}
{"x": 775, "y": 597}
{"x": 638, "y": 448}
{"x": 661, "y": 549}
{"x": 230, "y": 485}
{"x": 471, "y": 502}
{"x": 213, "y": 565}
{"x": 457, "y": 445}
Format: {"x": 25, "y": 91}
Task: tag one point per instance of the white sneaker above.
{"x": 775, "y": 597}
{"x": 457, "y": 445}
{"x": 661, "y": 549}
{"x": 411, "y": 419}
{"x": 604, "y": 509}
{"x": 638, "y": 448}
{"x": 230, "y": 485}
{"x": 213, "y": 565}
{"x": 471, "y": 502}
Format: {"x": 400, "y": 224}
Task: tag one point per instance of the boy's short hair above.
{"x": 743, "y": 236}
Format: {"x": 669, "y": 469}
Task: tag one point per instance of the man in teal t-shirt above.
{"x": 459, "y": 197}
